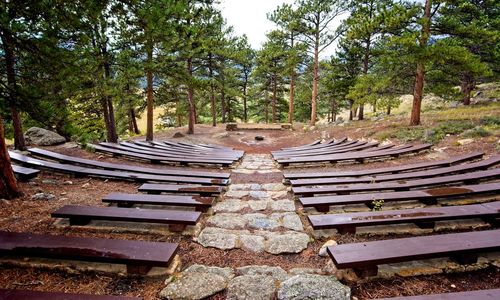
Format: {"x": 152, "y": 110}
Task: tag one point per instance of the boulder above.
{"x": 178, "y": 135}
{"x": 194, "y": 285}
{"x": 231, "y": 126}
{"x": 312, "y": 286}
{"x": 43, "y": 137}
{"x": 255, "y": 287}
{"x": 259, "y": 138}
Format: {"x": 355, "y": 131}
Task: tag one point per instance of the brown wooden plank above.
{"x": 360, "y": 146}
{"x": 23, "y": 173}
{"x": 366, "y": 254}
{"x": 425, "y": 195}
{"x": 178, "y": 188}
{"x": 198, "y": 202}
{"x": 212, "y": 154}
{"x": 398, "y": 185}
{"x": 492, "y": 294}
{"x": 87, "y": 213}
{"x": 464, "y": 168}
{"x": 387, "y": 170}
{"x": 124, "y": 167}
{"x": 10, "y": 294}
{"x": 428, "y": 214}
{"x": 133, "y": 253}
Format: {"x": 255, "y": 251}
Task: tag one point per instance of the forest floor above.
{"x": 452, "y": 130}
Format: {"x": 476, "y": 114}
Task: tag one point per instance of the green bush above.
{"x": 492, "y": 121}
{"x": 476, "y": 132}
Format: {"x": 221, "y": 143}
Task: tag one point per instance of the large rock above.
{"x": 312, "y": 286}
{"x": 193, "y": 285}
{"x": 292, "y": 242}
{"x": 43, "y": 137}
{"x": 276, "y": 272}
{"x": 217, "y": 238}
{"x": 227, "y": 272}
{"x": 251, "y": 287}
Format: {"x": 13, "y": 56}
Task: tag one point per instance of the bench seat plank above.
{"x": 178, "y": 188}
{"x": 131, "y": 253}
{"x": 9, "y": 294}
{"x": 355, "y": 148}
{"x": 87, "y": 213}
{"x": 492, "y": 294}
{"x": 428, "y": 214}
{"x": 23, "y": 173}
{"x": 387, "y": 170}
{"x": 123, "y": 167}
{"x": 365, "y": 254}
{"x": 200, "y": 203}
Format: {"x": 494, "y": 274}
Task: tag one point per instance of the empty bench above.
{"x": 82, "y": 215}
{"x": 138, "y": 256}
{"x": 422, "y": 217}
{"x": 8, "y": 294}
{"x": 365, "y": 257}
{"x": 24, "y": 174}
{"x": 127, "y": 200}
{"x": 151, "y": 188}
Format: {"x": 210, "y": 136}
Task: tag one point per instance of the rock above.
{"x": 85, "y": 185}
{"x": 43, "y": 196}
{"x": 292, "y": 221}
{"x": 261, "y": 221}
{"x": 227, "y": 273}
{"x": 313, "y": 287}
{"x": 231, "y": 126}
{"x": 221, "y": 135}
{"x": 43, "y": 137}
{"x": 259, "y": 138}
{"x": 324, "y": 135}
{"x": 275, "y": 272}
{"x": 283, "y": 205}
{"x": 227, "y": 220}
{"x": 292, "y": 242}
{"x": 231, "y": 205}
{"x": 258, "y": 204}
{"x": 273, "y": 187}
{"x": 465, "y": 142}
{"x": 49, "y": 181}
{"x": 252, "y": 243}
{"x": 217, "y": 238}
{"x": 68, "y": 182}
{"x": 303, "y": 271}
{"x": 286, "y": 126}
{"x": 258, "y": 194}
{"x": 193, "y": 285}
{"x": 454, "y": 104}
{"x": 251, "y": 287}
{"x": 178, "y": 135}
{"x": 322, "y": 250}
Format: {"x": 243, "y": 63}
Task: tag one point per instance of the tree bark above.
{"x": 420, "y": 74}
{"x": 351, "y": 114}
{"x": 8, "y": 183}
{"x": 315, "y": 82}
{"x": 292, "y": 96}
{"x": 10, "y": 62}
{"x": 388, "y": 109}
{"x": 361, "y": 115}
{"x": 245, "y": 109}
{"x": 111, "y": 125}
{"x": 223, "y": 99}
{"x": 149, "y": 92}
{"x": 192, "y": 109}
{"x": 274, "y": 98}
{"x": 467, "y": 86}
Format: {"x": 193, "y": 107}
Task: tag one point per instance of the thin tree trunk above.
{"x": 292, "y": 96}
{"x": 192, "y": 109}
{"x": 245, "y": 112}
{"x": 315, "y": 83}
{"x": 111, "y": 129}
{"x": 361, "y": 110}
{"x": 8, "y": 183}
{"x": 351, "y": 114}
{"x": 10, "y": 62}
{"x": 467, "y": 86}
{"x": 266, "y": 107}
{"x": 149, "y": 92}
{"x": 274, "y": 98}
{"x": 420, "y": 74}
{"x": 388, "y": 109}
{"x": 212, "y": 100}
{"x": 223, "y": 100}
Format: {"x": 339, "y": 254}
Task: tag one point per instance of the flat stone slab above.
{"x": 293, "y": 242}
{"x": 252, "y": 287}
{"x": 194, "y": 285}
{"x": 217, "y": 239}
{"x": 275, "y": 272}
{"x": 227, "y": 220}
{"x": 311, "y": 287}
{"x": 230, "y": 206}
{"x": 227, "y": 273}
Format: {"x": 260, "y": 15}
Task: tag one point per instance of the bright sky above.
{"x": 250, "y": 17}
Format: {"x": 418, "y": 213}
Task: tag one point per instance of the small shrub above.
{"x": 478, "y": 131}
{"x": 492, "y": 121}
{"x": 377, "y": 204}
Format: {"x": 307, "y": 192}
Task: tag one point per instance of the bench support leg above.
{"x": 139, "y": 270}
{"x": 366, "y": 272}
{"x": 79, "y": 221}
{"x": 425, "y": 225}
{"x": 176, "y": 227}
{"x": 201, "y": 209}
{"x": 347, "y": 229}
{"x": 125, "y": 204}
{"x": 322, "y": 208}
{"x": 494, "y": 222}
{"x": 465, "y": 258}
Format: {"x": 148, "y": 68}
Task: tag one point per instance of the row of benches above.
{"x": 343, "y": 150}
{"x": 168, "y": 152}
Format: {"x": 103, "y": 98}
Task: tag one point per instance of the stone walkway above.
{"x": 255, "y": 217}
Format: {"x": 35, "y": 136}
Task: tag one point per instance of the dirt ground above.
{"x": 27, "y": 215}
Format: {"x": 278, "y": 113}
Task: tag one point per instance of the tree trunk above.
{"x": 420, "y": 74}
{"x": 111, "y": 125}
{"x": 223, "y": 100}
{"x": 10, "y": 62}
{"x": 245, "y": 108}
{"x": 315, "y": 83}
{"x": 292, "y": 96}
{"x": 266, "y": 107}
{"x": 192, "y": 109}
{"x": 388, "y": 109}
{"x": 149, "y": 92}
{"x": 133, "y": 122}
{"x": 375, "y": 105}
{"x": 361, "y": 115}
{"x": 351, "y": 114}
{"x": 8, "y": 184}
{"x": 212, "y": 100}
{"x": 334, "y": 109}
{"x": 274, "y": 98}
{"x": 467, "y": 86}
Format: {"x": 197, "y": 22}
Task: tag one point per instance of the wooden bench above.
{"x": 128, "y": 200}
{"x": 100, "y": 173}
{"x": 82, "y": 215}
{"x": 178, "y": 188}
{"x": 138, "y": 256}
{"x": 492, "y": 294}
{"x": 464, "y": 168}
{"x": 359, "y": 147}
{"x": 364, "y": 257}
{"x": 422, "y": 217}
{"x": 7, "y": 294}
{"x": 402, "y": 185}
{"x": 316, "y": 145}
{"x": 212, "y": 154}
{"x": 317, "y": 148}
{"x": 388, "y": 170}
{"x": 24, "y": 174}
{"x": 123, "y": 167}
{"x": 356, "y": 156}
{"x": 429, "y": 196}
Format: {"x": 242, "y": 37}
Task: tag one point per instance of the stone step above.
{"x": 235, "y": 205}
{"x": 258, "y": 221}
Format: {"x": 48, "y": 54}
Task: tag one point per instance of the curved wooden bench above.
{"x": 24, "y": 174}
{"x": 127, "y": 200}
{"x": 138, "y": 256}
{"x": 422, "y": 217}
{"x": 182, "y": 189}
{"x": 8, "y": 294}
{"x": 365, "y": 256}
